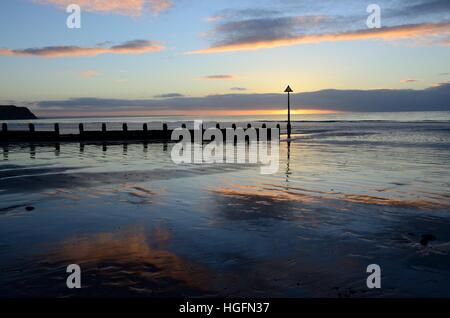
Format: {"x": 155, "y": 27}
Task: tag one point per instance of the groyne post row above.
{"x": 104, "y": 134}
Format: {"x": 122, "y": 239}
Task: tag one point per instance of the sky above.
{"x": 176, "y": 57}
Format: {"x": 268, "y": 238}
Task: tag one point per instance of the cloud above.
{"x": 440, "y": 85}
{"x": 214, "y": 18}
{"x": 170, "y": 95}
{"x": 420, "y": 9}
{"x": 408, "y": 80}
{"x": 159, "y": 6}
{"x": 276, "y": 33}
{"x": 130, "y": 47}
{"x": 293, "y": 23}
{"x": 242, "y": 13}
{"x": 90, "y": 73}
{"x": 245, "y": 13}
{"x": 238, "y": 89}
{"x": 219, "y": 77}
{"x": 123, "y": 7}
{"x": 430, "y": 99}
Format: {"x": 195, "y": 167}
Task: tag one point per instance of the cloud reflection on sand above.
{"x": 135, "y": 262}
{"x": 264, "y": 197}
{"x": 420, "y": 204}
{"x": 130, "y": 259}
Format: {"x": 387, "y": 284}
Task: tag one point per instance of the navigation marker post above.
{"x": 289, "y": 91}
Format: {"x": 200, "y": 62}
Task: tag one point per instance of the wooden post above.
{"x": 103, "y": 127}
{"x": 165, "y": 132}
{"x": 125, "y": 127}
{"x": 145, "y": 127}
{"x": 57, "y": 129}
{"x": 279, "y": 130}
{"x": 81, "y": 128}
{"x": 31, "y": 127}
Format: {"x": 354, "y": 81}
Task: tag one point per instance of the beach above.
{"x": 351, "y": 190}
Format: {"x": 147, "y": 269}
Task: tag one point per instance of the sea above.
{"x": 351, "y": 190}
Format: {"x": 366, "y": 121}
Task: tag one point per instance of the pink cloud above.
{"x": 408, "y": 80}
{"x": 434, "y": 31}
{"x": 90, "y": 73}
{"x": 214, "y": 18}
{"x": 124, "y": 7}
{"x": 219, "y": 77}
{"x": 130, "y": 47}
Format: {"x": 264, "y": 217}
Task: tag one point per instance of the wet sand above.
{"x": 346, "y": 195}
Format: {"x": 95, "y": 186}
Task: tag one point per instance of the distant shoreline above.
{"x": 347, "y": 117}
{"x": 11, "y": 112}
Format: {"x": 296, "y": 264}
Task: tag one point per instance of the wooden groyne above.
{"x": 144, "y": 134}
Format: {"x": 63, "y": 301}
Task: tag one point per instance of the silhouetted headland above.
{"x": 10, "y": 112}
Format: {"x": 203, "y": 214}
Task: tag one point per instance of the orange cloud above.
{"x": 219, "y": 77}
{"x": 90, "y": 73}
{"x": 411, "y": 31}
{"x": 124, "y": 7}
{"x": 408, "y": 80}
{"x": 159, "y": 6}
{"x": 130, "y": 47}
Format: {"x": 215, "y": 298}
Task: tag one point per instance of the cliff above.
{"x": 12, "y": 112}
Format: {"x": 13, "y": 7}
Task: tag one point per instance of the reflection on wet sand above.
{"x": 252, "y": 196}
{"x": 131, "y": 261}
{"x": 32, "y": 151}
{"x": 43, "y": 178}
{"x": 419, "y": 204}
{"x": 251, "y": 202}
{"x": 34, "y": 148}
{"x": 288, "y": 162}
{"x": 135, "y": 194}
{"x": 5, "y": 152}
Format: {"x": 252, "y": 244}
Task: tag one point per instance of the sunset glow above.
{"x": 217, "y": 58}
